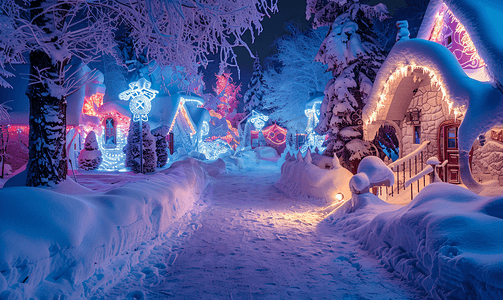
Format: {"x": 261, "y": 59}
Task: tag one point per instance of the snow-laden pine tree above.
{"x": 90, "y": 157}
{"x": 161, "y": 145}
{"x": 53, "y": 35}
{"x": 132, "y": 149}
{"x": 256, "y": 90}
{"x": 352, "y": 55}
{"x": 298, "y": 75}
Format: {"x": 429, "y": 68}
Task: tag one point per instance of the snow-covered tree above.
{"x": 256, "y": 89}
{"x": 90, "y": 157}
{"x": 132, "y": 149}
{"x": 352, "y": 55}
{"x": 291, "y": 83}
{"x": 222, "y": 108}
{"x": 161, "y": 145}
{"x": 52, "y": 33}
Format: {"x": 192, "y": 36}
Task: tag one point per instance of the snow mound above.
{"x": 377, "y": 171}
{"x": 300, "y": 178}
{"x": 448, "y": 240}
{"x": 52, "y": 242}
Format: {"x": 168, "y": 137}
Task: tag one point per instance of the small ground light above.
{"x": 339, "y": 196}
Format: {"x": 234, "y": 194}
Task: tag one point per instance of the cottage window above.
{"x": 417, "y": 134}
{"x": 110, "y": 133}
{"x": 452, "y": 141}
{"x": 449, "y": 40}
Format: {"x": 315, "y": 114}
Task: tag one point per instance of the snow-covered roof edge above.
{"x": 458, "y": 87}
{"x": 483, "y": 20}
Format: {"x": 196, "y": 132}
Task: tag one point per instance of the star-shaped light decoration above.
{"x": 140, "y": 94}
{"x": 258, "y": 120}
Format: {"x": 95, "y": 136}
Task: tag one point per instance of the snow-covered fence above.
{"x": 433, "y": 164}
{"x": 408, "y": 167}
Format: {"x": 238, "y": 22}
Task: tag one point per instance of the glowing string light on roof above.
{"x": 399, "y": 74}
{"x": 91, "y": 103}
{"x": 181, "y": 109}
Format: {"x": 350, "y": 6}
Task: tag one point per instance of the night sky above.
{"x": 290, "y": 11}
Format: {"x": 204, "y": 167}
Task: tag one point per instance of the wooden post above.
{"x": 141, "y": 147}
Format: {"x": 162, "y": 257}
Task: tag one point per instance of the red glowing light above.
{"x": 92, "y": 103}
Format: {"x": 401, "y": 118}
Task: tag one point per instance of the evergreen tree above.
{"x": 132, "y": 149}
{"x": 351, "y": 53}
{"x": 256, "y": 89}
{"x": 90, "y": 157}
{"x": 161, "y": 145}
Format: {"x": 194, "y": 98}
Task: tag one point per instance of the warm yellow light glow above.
{"x": 406, "y": 71}
{"x": 339, "y": 197}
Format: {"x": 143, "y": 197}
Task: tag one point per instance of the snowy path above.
{"x": 250, "y": 241}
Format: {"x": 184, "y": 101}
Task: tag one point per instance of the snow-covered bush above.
{"x": 300, "y": 178}
{"x": 161, "y": 145}
{"x": 132, "y": 149}
{"x": 90, "y": 157}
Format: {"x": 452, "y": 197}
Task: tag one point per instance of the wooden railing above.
{"x": 407, "y": 167}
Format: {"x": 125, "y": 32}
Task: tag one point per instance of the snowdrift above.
{"x": 448, "y": 240}
{"x": 300, "y": 177}
{"x": 52, "y": 243}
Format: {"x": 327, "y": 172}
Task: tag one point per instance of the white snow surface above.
{"x": 377, "y": 172}
{"x": 300, "y": 178}
{"x": 58, "y": 242}
{"x": 448, "y": 239}
{"x": 248, "y": 240}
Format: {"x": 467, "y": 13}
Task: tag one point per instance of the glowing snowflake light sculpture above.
{"x": 140, "y": 95}
{"x": 258, "y": 120}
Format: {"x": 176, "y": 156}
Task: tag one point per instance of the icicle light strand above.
{"x": 401, "y": 73}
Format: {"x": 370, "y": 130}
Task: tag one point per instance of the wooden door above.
{"x": 449, "y": 150}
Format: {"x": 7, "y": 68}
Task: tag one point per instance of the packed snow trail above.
{"x": 250, "y": 241}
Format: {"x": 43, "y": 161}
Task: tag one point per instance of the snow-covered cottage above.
{"x": 184, "y": 115}
{"x": 446, "y": 87}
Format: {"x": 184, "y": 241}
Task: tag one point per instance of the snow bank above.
{"x": 302, "y": 178}
{"x": 448, "y": 240}
{"x": 52, "y": 243}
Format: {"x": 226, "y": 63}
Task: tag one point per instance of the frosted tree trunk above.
{"x": 47, "y": 157}
{"x": 47, "y": 139}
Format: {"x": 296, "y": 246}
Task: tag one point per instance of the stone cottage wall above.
{"x": 487, "y": 160}
{"x": 434, "y": 111}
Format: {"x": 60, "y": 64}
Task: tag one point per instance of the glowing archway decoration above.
{"x": 403, "y": 72}
{"x": 140, "y": 94}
